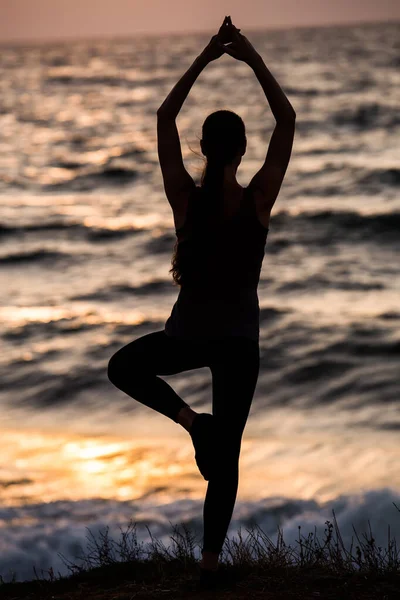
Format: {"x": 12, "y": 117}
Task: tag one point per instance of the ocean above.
{"x": 86, "y": 242}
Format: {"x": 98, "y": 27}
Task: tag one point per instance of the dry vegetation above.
{"x": 254, "y": 567}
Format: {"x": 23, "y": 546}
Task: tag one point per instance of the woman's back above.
{"x": 221, "y": 258}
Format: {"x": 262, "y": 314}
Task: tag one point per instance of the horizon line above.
{"x": 149, "y": 34}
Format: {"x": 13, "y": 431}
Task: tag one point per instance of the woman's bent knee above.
{"x": 125, "y": 363}
{"x": 114, "y": 368}
{"x": 118, "y": 366}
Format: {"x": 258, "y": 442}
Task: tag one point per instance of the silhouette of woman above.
{"x": 221, "y": 231}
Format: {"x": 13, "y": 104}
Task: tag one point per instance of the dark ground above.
{"x": 141, "y": 581}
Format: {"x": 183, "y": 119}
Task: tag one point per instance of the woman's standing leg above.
{"x": 134, "y": 369}
{"x": 235, "y": 367}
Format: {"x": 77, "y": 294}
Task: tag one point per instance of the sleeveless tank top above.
{"x": 219, "y": 297}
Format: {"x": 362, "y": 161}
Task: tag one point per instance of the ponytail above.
{"x": 223, "y": 137}
{"x": 220, "y": 149}
{"x": 212, "y": 183}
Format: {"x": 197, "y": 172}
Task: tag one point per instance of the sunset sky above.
{"x": 49, "y": 19}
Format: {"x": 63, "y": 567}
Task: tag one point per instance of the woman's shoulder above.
{"x": 256, "y": 200}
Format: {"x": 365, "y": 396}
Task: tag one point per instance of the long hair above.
{"x": 223, "y": 137}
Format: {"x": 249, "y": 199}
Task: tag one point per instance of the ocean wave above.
{"x": 71, "y": 79}
{"x": 75, "y": 76}
{"x": 366, "y": 347}
{"x": 348, "y": 181}
{"x": 71, "y": 230}
{"x": 306, "y": 91}
{"x": 368, "y": 115}
{"x": 346, "y": 225}
{"x": 316, "y": 371}
{"x": 342, "y": 149}
{"x": 85, "y": 179}
{"x": 390, "y": 315}
{"x": 270, "y": 314}
{"x": 315, "y": 282}
{"x": 41, "y": 255}
{"x": 382, "y": 176}
{"x": 117, "y": 291}
{"x": 108, "y": 176}
{"x": 39, "y": 534}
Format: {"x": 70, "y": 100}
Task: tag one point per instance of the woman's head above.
{"x": 223, "y": 144}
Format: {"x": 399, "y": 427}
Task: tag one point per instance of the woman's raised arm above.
{"x": 242, "y": 49}
{"x": 175, "y": 99}
{"x": 177, "y": 96}
{"x": 278, "y": 101}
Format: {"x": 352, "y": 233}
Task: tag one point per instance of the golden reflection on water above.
{"x": 44, "y": 467}
{"x": 82, "y": 311}
{"x": 284, "y": 462}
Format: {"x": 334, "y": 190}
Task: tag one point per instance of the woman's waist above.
{"x": 218, "y": 295}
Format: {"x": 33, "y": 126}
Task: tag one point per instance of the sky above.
{"x": 25, "y": 20}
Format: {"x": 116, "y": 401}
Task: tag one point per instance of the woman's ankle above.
{"x": 209, "y": 561}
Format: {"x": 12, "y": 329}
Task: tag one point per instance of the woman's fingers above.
{"x": 234, "y": 28}
{"x": 231, "y": 51}
{"x": 233, "y": 39}
{"x": 224, "y": 24}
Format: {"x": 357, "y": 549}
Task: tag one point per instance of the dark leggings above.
{"x": 234, "y": 363}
